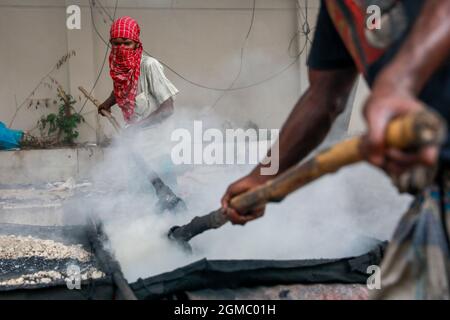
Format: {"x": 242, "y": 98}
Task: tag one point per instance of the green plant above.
{"x": 64, "y": 123}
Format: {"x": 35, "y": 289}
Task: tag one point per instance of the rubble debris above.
{"x": 13, "y": 247}
{"x": 47, "y": 277}
{"x": 29, "y": 261}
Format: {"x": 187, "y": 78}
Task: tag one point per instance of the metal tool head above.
{"x": 180, "y": 242}
{"x": 171, "y": 203}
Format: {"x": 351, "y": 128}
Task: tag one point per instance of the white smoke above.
{"x": 333, "y": 217}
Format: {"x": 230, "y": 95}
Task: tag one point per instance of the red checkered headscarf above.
{"x": 125, "y": 64}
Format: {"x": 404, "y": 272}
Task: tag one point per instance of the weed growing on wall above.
{"x": 62, "y": 126}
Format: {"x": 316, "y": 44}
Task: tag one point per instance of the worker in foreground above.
{"x": 142, "y": 91}
{"x": 407, "y": 65}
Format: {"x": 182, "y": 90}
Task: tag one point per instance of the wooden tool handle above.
{"x": 105, "y": 113}
{"x": 413, "y": 130}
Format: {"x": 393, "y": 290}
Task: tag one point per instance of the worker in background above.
{"x": 407, "y": 65}
{"x": 142, "y": 91}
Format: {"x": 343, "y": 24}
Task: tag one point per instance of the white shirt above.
{"x": 153, "y": 89}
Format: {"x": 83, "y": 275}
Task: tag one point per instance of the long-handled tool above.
{"x": 167, "y": 198}
{"x": 411, "y": 131}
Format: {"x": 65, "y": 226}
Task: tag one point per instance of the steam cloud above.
{"x": 338, "y": 215}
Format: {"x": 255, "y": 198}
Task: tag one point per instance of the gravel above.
{"x": 13, "y": 247}
{"x": 28, "y": 261}
{"x": 47, "y": 277}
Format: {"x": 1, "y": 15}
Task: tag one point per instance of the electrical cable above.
{"x": 306, "y": 30}
{"x": 106, "y": 52}
{"x": 257, "y": 83}
{"x": 111, "y": 18}
{"x": 241, "y": 63}
{"x": 203, "y": 86}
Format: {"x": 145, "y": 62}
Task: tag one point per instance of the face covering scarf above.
{"x": 125, "y": 65}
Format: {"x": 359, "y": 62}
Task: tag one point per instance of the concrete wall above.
{"x": 32, "y": 42}
{"x": 200, "y": 39}
{"x": 52, "y": 165}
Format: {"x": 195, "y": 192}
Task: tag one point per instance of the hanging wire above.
{"x": 106, "y": 51}
{"x": 203, "y": 86}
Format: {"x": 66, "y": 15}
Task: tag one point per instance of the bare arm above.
{"x": 424, "y": 51}
{"x": 395, "y": 90}
{"x": 164, "y": 111}
{"x": 313, "y": 115}
{"x": 108, "y": 103}
{"x": 305, "y": 128}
